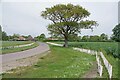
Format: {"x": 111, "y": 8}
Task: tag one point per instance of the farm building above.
{"x": 30, "y": 38}
{"x": 21, "y": 38}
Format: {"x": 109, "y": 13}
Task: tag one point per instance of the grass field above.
{"x": 15, "y": 43}
{"x": 59, "y": 63}
{"x": 108, "y": 48}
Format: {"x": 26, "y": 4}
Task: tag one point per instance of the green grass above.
{"x": 59, "y": 63}
{"x": 105, "y": 72}
{"x": 14, "y": 43}
{"x": 11, "y": 50}
{"x": 114, "y": 62}
{"x": 104, "y": 47}
{"x": 94, "y": 45}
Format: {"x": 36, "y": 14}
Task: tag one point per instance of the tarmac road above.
{"x": 43, "y": 47}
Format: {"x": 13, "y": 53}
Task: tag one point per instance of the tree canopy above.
{"x": 0, "y": 32}
{"x": 4, "y": 36}
{"x": 104, "y": 37}
{"x": 41, "y": 37}
{"x": 116, "y": 33}
{"x": 67, "y": 19}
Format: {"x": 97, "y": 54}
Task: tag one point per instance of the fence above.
{"x": 107, "y": 65}
{"x": 92, "y": 52}
{"x": 100, "y": 67}
{"x": 54, "y": 44}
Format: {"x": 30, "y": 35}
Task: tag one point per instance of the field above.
{"x": 59, "y": 63}
{"x": 110, "y": 50}
{"x": 16, "y": 43}
{"x": 109, "y": 47}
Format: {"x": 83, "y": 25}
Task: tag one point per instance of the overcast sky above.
{"x": 24, "y": 17}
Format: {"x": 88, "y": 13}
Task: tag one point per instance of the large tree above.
{"x": 103, "y": 37}
{"x": 4, "y": 36}
{"x": 41, "y": 37}
{"x": 116, "y": 33}
{"x": 0, "y": 32}
{"x": 67, "y": 19}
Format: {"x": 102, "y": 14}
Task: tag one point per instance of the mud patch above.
{"x": 92, "y": 73}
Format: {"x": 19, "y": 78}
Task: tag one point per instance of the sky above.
{"x": 24, "y": 17}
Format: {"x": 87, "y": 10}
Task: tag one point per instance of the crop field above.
{"x": 110, "y": 50}
{"x": 108, "y": 47}
{"x": 59, "y": 63}
{"x": 6, "y": 44}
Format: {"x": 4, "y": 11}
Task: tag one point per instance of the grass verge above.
{"x": 97, "y": 46}
{"x": 14, "y": 43}
{"x": 114, "y": 62}
{"x": 11, "y": 50}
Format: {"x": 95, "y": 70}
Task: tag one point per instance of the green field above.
{"x": 110, "y": 50}
{"x": 109, "y": 47}
{"x": 59, "y": 63}
{"x": 16, "y": 43}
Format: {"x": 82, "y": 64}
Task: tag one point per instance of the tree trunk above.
{"x": 65, "y": 42}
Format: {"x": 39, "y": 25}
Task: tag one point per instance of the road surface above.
{"x": 23, "y": 54}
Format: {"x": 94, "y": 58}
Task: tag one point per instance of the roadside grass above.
{"x": 114, "y": 62}
{"x": 105, "y": 72}
{"x": 11, "y": 50}
{"x": 101, "y": 46}
{"x": 59, "y": 63}
{"x": 14, "y": 43}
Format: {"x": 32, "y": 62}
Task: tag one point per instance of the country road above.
{"x": 11, "y": 59}
{"x": 27, "y": 53}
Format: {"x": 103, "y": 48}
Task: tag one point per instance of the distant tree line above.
{"x": 41, "y": 37}
{"x": 103, "y": 37}
{"x": 14, "y": 37}
{"x": 73, "y": 37}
